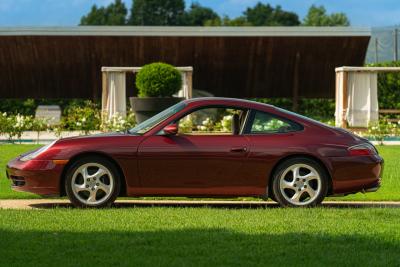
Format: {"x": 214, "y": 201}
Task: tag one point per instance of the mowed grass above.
{"x": 200, "y": 237}
{"x": 161, "y": 236}
{"x": 390, "y": 189}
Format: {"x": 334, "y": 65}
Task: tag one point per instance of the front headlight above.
{"x": 36, "y": 153}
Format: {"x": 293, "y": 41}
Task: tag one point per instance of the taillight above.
{"x": 365, "y": 149}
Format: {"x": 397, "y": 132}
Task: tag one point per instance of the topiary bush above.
{"x": 158, "y": 80}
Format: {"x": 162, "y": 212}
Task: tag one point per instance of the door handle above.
{"x": 238, "y": 149}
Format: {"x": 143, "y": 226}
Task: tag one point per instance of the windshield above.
{"x": 156, "y": 119}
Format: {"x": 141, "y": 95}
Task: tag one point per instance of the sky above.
{"x": 374, "y": 13}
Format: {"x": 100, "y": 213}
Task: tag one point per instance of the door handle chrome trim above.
{"x": 238, "y": 149}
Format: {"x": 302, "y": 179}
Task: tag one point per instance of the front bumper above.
{"x": 36, "y": 176}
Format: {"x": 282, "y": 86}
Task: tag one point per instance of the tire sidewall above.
{"x": 277, "y": 194}
{"x": 92, "y": 159}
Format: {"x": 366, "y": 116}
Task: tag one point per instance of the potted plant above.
{"x": 156, "y": 83}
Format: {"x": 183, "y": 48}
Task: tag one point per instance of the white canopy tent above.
{"x": 357, "y": 95}
{"x": 114, "y": 88}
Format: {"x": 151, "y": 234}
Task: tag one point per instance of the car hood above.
{"x": 114, "y": 138}
{"x": 111, "y": 134}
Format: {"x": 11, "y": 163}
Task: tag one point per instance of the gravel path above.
{"x": 63, "y": 203}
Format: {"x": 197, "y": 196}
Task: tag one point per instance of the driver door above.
{"x": 207, "y": 156}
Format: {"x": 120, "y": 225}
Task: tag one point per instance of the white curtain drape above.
{"x": 184, "y": 91}
{"x": 339, "y": 99}
{"x": 362, "y": 99}
{"x": 116, "y": 100}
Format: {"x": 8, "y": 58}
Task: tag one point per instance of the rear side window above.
{"x": 268, "y": 123}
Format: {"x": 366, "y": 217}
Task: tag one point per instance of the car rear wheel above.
{"x": 92, "y": 182}
{"x": 299, "y": 182}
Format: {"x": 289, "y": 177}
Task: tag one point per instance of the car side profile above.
{"x": 205, "y": 147}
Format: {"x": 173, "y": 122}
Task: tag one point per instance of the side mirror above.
{"x": 171, "y": 129}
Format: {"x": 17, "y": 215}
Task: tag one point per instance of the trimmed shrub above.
{"x": 158, "y": 80}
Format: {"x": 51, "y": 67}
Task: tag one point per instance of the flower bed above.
{"x": 84, "y": 121}
{"x": 85, "y": 118}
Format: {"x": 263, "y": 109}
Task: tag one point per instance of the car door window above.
{"x": 213, "y": 120}
{"x": 268, "y": 123}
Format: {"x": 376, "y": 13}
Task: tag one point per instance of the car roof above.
{"x": 204, "y": 101}
{"x": 227, "y": 101}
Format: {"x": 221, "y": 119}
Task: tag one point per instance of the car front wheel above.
{"x": 92, "y": 182}
{"x": 300, "y": 182}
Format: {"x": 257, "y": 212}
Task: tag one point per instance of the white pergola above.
{"x": 113, "y": 99}
{"x": 357, "y": 95}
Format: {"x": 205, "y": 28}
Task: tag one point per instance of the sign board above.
{"x": 51, "y": 113}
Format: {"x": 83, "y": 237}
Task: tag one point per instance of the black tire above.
{"x": 108, "y": 199}
{"x": 272, "y": 197}
{"x": 283, "y": 201}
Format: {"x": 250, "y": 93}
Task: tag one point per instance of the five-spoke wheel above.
{"x": 92, "y": 182}
{"x": 299, "y": 182}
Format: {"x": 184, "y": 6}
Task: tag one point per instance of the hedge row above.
{"x": 388, "y": 86}
{"x": 315, "y": 108}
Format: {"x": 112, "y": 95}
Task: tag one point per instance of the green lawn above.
{"x": 390, "y": 186}
{"x": 161, "y": 236}
{"x": 200, "y": 237}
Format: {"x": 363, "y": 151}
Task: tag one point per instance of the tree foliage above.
{"x": 266, "y": 15}
{"x": 157, "y": 12}
{"x": 198, "y": 15}
{"x": 317, "y": 16}
{"x": 226, "y": 21}
{"x": 173, "y": 13}
{"x": 259, "y": 15}
{"x": 114, "y": 14}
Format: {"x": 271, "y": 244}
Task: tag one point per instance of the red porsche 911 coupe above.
{"x": 205, "y": 147}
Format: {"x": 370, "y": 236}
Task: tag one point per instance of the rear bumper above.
{"x": 356, "y": 174}
{"x": 36, "y": 176}
{"x": 372, "y": 189}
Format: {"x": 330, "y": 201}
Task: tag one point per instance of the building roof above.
{"x": 66, "y": 62}
{"x": 367, "y": 69}
{"x": 185, "y": 31}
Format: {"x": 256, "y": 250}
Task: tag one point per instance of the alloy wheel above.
{"x": 300, "y": 184}
{"x": 92, "y": 184}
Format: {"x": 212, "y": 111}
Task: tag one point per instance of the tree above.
{"x": 266, "y": 15}
{"x": 114, "y": 14}
{"x": 157, "y": 12}
{"x": 259, "y": 15}
{"x": 226, "y": 21}
{"x": 198, "y": 15}
{"x": 317, "y": 16}
{"x": 96, "y": 16}
{"x": 238, "y": 21}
